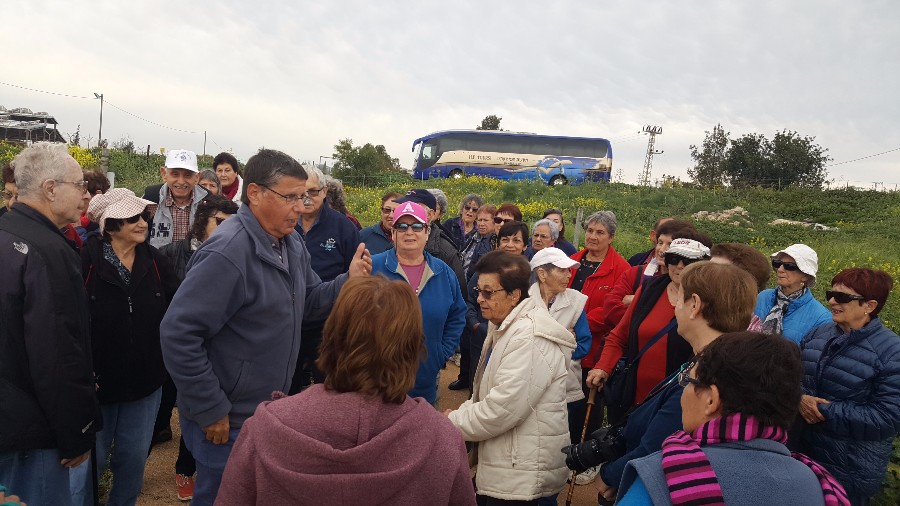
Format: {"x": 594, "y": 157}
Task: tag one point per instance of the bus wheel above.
{"x": 558, "y": 181}
{"x": 456, "y": 174}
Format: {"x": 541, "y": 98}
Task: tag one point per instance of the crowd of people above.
{"x": 304, "y": 351}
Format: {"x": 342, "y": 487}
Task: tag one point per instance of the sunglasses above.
{"x": 471, "y": 209}
{"x": 487, "y": 294}
{"x": 219, "y": 219}
{"x": 143, "y": 216}
{"x": 387, "y": 210}
{"x": 403, "y": 227}
{"x": 674, "y": 258}
{"x": 788, "y": 266}
{"x": 685, "y": 379}
{"x": 841, "y": 297}
{"x": 498, "y": 220}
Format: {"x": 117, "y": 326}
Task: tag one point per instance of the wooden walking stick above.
{"x": 592, "y": 396}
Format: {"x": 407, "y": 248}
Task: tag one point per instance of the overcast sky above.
{"x": 301, "y": 75}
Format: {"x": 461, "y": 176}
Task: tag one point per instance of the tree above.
{"x": 746, "y": 163}
{"x": 75, "y": 140}
{"x": 355, "y": 164}
{"x": 491, "y": 122}
{"x": 709, "y": 168}
{"x": 798, "y": 161}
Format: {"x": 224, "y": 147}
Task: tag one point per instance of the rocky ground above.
{"x": 159, "y": 480}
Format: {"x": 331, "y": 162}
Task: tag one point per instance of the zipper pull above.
{"x": 130, "y": 309}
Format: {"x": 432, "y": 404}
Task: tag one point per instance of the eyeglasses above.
{"x": 674, "y": 258}
{"x": 841, "y": 297}
{"x": 684, "y": 377}
{"x": 82, "y": 185}
{"x": 313, "y": 192}
{"x": 288, "y": 199}
{"x": 498, "y": 220}
{"x": 9, "y": 195}
{"x": 386, "y": 210}
{"x": 220, "y": 219}
{"x": 788, "y": 266}
{"x": 143, "y": 216}
{"x": 487, "y": 294}
{"x": 403, "y": 227}
{"x": 471, "y": 209}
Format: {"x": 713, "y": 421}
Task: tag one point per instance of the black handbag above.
{"x": 621, "y": 386}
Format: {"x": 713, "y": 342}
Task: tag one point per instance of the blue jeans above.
{"x": 211, "y": 459}
{"x": 36, "y": 476}
{"x": 128, "y": 426}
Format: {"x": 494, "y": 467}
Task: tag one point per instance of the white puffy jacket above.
{"x": 517, "y": 414}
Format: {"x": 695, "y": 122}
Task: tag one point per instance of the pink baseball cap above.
{"x": 411, "y": 209}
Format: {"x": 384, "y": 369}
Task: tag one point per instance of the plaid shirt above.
{"x": 181, "y": 217}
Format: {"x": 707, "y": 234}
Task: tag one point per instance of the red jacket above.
{"x": 597, "y": 286}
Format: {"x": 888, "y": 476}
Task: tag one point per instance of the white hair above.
{"x": 38, "y": 163}
{"x": 554, "y": 228}
{"x": 313, "y": 172}
{"x": 441, "y": 198}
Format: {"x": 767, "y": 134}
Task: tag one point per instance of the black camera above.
{"x": 604, "y": 445}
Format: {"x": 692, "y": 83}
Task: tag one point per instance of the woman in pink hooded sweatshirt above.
{"x": 358, "y": 438}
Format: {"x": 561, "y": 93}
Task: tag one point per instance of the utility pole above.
{"x": 648, "y": 161}
{"x": 100, "y": 134}
{"x": 204, "y": 144}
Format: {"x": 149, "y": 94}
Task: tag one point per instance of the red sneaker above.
{"x": 185, "y": 486}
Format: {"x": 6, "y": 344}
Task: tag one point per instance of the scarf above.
{"x": 691, "y": 478}
{"x": 772, "y": 324}
{"x": 231, "y": 190}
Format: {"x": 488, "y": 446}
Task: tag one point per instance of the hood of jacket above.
{"x": 326, "y": 447}
{"x": 545, "y": 326}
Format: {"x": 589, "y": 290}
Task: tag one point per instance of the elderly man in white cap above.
{"x": 177, "y": 198}
{"x": 790, "y": 309}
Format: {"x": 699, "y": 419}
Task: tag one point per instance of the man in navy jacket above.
{"x": 230, "y": 344}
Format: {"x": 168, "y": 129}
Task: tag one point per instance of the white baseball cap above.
{"x": 553, "y": 256}
{"x": 181, "y": 159}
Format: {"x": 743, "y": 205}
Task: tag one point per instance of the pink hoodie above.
{"x": 322, "y": 447}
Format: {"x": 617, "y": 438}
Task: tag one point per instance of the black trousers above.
{"x": 185, "y": 463}
{"x": 483, "y": 500}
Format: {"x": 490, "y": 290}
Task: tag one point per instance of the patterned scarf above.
{"x": 691, "y": 478}
{"x": 774, "y": 320}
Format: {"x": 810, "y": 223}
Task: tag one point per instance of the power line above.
{"x": 47, "y": 92}
{"x": 863, "y": 158}
{"x": 148, "y": 121}
{"x": 107, "y": 101}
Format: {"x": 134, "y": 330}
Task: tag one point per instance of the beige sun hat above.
{"x": 118, "y": 203}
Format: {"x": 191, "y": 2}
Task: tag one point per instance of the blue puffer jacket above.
{"x": 803, "y": 315}
{"x": 859, "y": 373}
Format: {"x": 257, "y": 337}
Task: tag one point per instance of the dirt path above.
{"x": 159, "y": 477}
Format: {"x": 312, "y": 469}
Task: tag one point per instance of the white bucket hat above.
{"x": 804, "y": 256}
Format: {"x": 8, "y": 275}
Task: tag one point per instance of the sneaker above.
{"x": 456, "y": 359}
{"x": 185, "y": 486}
{"x": 587, "y": 477}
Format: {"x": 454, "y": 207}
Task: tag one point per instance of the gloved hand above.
{"x": 580, "y": 457}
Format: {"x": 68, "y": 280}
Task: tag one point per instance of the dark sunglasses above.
{"x": 674, "y": 258}
{"x": 841, "y": 297}
{"x": 143, "y": 216}
{"x": 403, "y": 227}
{"x": 788, "y": 266}
{"x": 498, "y": 220}
{"x": 219, "y": 220}
{"x": 487, "y": 294}
{"x": 471, "y": 209}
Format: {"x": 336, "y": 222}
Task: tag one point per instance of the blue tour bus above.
{"x": 512, "y": 156}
